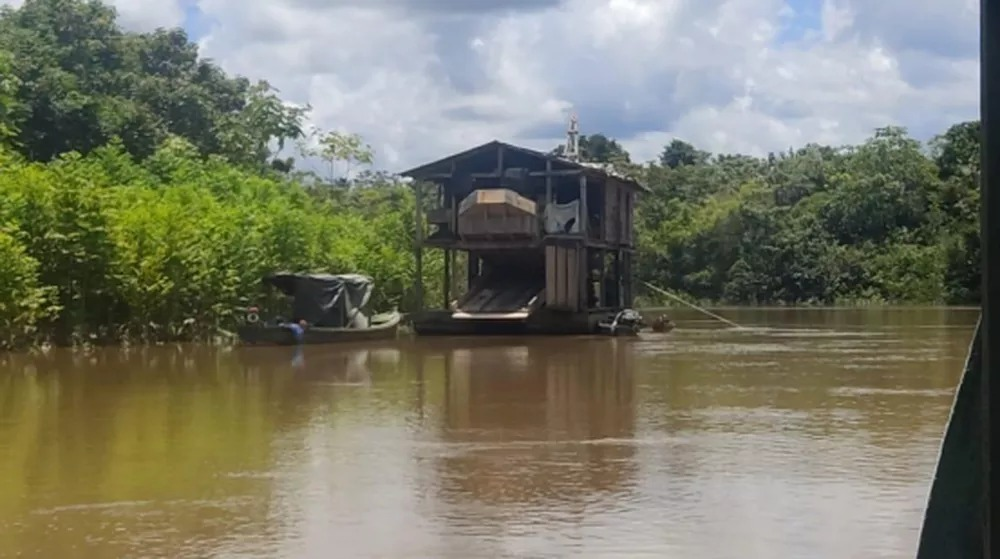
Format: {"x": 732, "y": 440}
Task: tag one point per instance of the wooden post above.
{"x": 629, "y": 219}
{"x": 584, "y": 253}
{"x": 472, "y": 267}
{"x": 620, "y": 208}
{"x": 619, "y": 284}
{"x": 627, "y": 278}
{"x": 446, "y": 285}
{"x": 452, "y": 201}
{"x": 453, "y": 276}
{"x": 603, "y": 299}
{"x": 548, "y": 194}
{"x": 418, "y": 249}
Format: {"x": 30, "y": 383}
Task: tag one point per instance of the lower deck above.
{"x": 543, "y": 322}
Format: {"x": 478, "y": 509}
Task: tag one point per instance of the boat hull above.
{"x": 385, "y": 329}
{"x": 540, "y": 323}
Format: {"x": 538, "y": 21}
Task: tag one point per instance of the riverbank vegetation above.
{"x": 144, "y": 192}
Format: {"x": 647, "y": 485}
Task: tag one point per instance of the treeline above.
{"x": 143, "y": 192}
{"x": 887, "y": 221}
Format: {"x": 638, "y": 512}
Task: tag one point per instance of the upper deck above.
{"x": 498, "y": 196}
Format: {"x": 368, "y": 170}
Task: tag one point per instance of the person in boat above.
{"x": 662, "y": 323}
{"x": 298, "y": 329}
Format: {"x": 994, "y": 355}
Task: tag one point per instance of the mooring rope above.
{"x": 692, "y": 305}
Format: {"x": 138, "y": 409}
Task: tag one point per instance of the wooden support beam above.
{"x": 603, "y": 296}
{"x": 446, "y": 284}
{"x": 454, "y": 204}
{"x": 495, "y": 175}
{"x": 548, "y": 194}
{"x": 548, "y": 172}
{"x": 522, "y": 243}
{"x": 617, "y": 272}
{"x": 548, "y": 182}
{"x": 453, "y": 282}
{"x": 471, "y": 267}
{"x": 627, "y": 279}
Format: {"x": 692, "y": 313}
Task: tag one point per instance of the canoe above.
{"x": 382, "y": 327}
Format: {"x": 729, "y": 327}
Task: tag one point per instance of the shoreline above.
{"x": 229, "y": 339}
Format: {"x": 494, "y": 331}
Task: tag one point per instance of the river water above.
{"x": 813, "y": 434}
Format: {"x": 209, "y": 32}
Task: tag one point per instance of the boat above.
{"x": 662, "y": 324}
{"x": 326, "y": 308}
{"x": 627, "y": 322}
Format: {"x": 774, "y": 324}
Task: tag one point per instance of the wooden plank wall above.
{"x": 629, "y": 225}
{"x": 562, "y": 278}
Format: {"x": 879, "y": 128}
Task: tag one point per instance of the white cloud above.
{"x": 144, "y": 15}
{"x": 139, "y": 15}
{"x": 419, "y": 80}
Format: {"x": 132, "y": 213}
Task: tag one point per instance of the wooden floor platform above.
{"x": 542, "y": 322}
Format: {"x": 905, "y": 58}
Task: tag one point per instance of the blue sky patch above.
{"x": 196, "y": 23}
{"x": 806, "y": 17}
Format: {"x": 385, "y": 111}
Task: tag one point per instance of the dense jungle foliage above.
{"x": 144, "y": 192}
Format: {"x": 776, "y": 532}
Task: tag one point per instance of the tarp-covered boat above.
{"x": 326, "y": 308}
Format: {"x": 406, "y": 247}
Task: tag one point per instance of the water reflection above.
{"x": 537, "y": 425}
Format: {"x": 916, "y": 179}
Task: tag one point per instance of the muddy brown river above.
{"x": 812, "y": 434}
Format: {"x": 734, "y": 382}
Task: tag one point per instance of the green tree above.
{"x": 679, "y": 153}
{"x": 338, "y": 147}
{"x": 9, "y": 105}
{"x": 598, "y": 148}
{"x": 81, "y": 81}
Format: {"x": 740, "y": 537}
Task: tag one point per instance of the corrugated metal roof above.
{"x": 603, "y": 170}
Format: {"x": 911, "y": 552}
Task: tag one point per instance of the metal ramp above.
{"x": 501, "y": 297}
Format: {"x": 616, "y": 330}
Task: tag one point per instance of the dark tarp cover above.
{"x": 326, "y": 300}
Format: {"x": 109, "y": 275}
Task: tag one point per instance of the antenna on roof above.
{"x": 573, "y": 138}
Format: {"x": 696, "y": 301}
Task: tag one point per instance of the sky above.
{"x": 420, "y": 79}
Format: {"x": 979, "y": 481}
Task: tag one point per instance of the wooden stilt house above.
{"x": 548, "y": 241}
